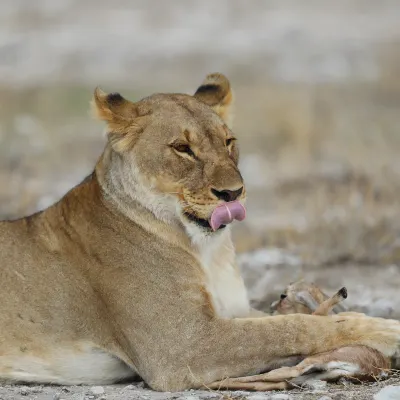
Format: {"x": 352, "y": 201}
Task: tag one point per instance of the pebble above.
{"x": 315, "y": 384}
{"x": 190, "y": 397}
{"x": 281, "y": 397}
{"x": 207, "y": 396}
{"x": 257, "y": 397}
{"x": 78, "y": 396}
{"x": 96, "y": 390}
{"x": 25, "y": 390}
{"x": 343, "y": 381}
{"x": 325, "y": 398}
{"x": 390, "y": 392}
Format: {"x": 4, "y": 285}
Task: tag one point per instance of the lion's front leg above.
{"x": 242, "y": 347}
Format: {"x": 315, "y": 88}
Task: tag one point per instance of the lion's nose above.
{"x": 227, "y": 195}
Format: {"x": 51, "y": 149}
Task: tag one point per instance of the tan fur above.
{"x": 117, "y": 278}
{"x": 303, "y": 298}
{"x": 327, "y": 305}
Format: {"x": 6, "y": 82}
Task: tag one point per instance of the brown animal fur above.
{"x": 327, "y": 305}
{"x": 123, "y": 276}
{"x": 303, "y": 298}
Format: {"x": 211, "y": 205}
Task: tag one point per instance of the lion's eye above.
{"x": 229, "y": 141}
{"x": 183, "y": 148}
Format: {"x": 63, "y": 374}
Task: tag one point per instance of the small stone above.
{"x": 390, "y": 392}
{"x": 96, "y": 390}
{"x": 208, "y": 396}
{"x": 343, "y": 381}
{"x": 190, "y": 397}
{"x": 325, "y": 398}
{"x": 257, "y": 397}
{"x": 315, "y": 384}
{"x": 35, "y": 389}
{"x": 281, "y": 396}
{"x": 129, "y": 387}
{"x": 25, "y": 390}
{"x": 78, "y": 396}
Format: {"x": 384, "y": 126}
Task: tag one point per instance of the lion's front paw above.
{"x": 379, "y": 333}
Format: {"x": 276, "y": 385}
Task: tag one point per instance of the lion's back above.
{"x": 12, "y": 240}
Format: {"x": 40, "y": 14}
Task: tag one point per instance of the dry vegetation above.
{"x": 328, "y": 166}
{"x": 321, "y": 161}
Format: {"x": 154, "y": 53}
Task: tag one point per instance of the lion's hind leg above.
{"x": 72, "y": 365}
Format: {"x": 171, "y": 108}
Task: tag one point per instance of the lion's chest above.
{"x": 224, "y": 283}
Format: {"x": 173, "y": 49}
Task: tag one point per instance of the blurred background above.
{"x": 317, "y": 114}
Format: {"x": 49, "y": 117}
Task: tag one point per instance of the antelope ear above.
{"x": 121, "y": 116}
{"x": 305, "y": 298}
{"x": 216, "y": 92}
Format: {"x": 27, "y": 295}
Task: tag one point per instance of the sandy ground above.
{"x": 342, "y": 391}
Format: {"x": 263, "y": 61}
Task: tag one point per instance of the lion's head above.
{"x": 175, "y": 153}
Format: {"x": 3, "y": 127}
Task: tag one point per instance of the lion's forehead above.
{"x": 180, "y": 108}
{"x": 199, "y": 124}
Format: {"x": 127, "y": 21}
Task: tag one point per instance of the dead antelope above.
{"x": 306, "y": 298}
{"x": 356, "y": 363}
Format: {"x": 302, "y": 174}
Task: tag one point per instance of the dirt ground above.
{"x": 317, "y": 117}
{"x": 342, "y": 391}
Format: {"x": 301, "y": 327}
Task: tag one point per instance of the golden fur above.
{"x": 122, "y": 276}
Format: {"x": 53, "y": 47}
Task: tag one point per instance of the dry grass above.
{"x": 329, "y": 167}
{"x": 327, "y": 154}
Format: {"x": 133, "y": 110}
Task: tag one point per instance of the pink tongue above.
{"x": 225, "y": 213}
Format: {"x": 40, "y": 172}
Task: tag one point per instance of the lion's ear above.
{"x": 112, "y": 108}
{"x": 121, "y": 116}
{"x": 216, "y": 92}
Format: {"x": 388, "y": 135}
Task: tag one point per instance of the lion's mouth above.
{"x": 222, "y": 215}
{"x": 204, "y": 223}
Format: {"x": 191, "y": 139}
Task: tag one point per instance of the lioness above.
{"x": 133, "y": 271}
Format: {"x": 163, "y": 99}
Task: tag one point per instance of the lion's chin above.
{"x": 203, "y": 223}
